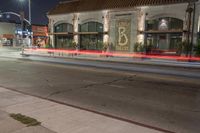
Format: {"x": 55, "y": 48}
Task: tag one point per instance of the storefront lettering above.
{"x": 122, "y": 48}
{"x": 123, "y": 31}
{"x": 123, "y": 39}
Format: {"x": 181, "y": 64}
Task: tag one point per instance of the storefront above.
{"x": 63, "y": 36}
{"x": 121, "y": 25}
{"x": 91, "y": 37}
{"x": 40, "y": 35}
{"x": 7, "y": 33}
{"x": 164, "y": 34}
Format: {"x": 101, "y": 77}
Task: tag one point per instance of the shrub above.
{"x": 197, "y": 49}
{"x": 139, "y": 47}
{"x": 183, "y": 47}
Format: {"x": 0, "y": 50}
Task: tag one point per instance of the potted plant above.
{"x": 197, "y": 49}
{"x": 139, "y": 47}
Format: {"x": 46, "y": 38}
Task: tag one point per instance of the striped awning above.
{"x": 93, "y": 5}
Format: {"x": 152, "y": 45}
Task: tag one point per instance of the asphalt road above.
{"x": 166, "y": 101}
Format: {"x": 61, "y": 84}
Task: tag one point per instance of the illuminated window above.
{"x": 64, "y": 40}
{"x": 91, "y": 41}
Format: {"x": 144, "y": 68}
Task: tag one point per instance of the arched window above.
{"x": 166, "y": 23}
{"x": 63, "y": 27}
{"x": 164, "y": 34}
{"x": 92, "y": 27}
{"x": 63, "y": 40}
{"x": 92, "y": 39}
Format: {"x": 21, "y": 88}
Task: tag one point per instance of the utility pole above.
{"x": 30, "y": 12}
{"x": 30, "y": 21}
{"x": 191, "y": 10}
{"x": 193, "y": 23}
{"x": 22, "y": 26}
{"x": 31, "y": 36}
{"x": 189, "y": 37}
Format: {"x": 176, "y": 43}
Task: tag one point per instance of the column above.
{"x": 141, "y": 26}
{"x": 51, "y": 31}
{"x": 106, "y": 20}
{"x": 75, "y": 25}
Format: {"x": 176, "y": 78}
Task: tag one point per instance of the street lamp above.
{"x": 1, "y": 15}
{"x": 191, "y": 9}
{"x": 30, "y": 21}
{"x": 29, "y": 7}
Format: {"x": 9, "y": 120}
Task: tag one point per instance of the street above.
{"x": 168, "y": 102}
{"x": 100, "y": 66}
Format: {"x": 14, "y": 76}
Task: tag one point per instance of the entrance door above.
{"x": 162, "y": 42}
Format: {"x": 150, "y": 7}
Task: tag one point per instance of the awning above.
{"x": 77, "y": 33}
{"x": 160, "y": 32}
{"x": 8, "y": 36}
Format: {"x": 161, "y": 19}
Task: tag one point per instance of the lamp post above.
{"x": 191, "y": 10}
{"x": 30, "y": 20}
{"x": 29, "y": 8}
{"x": 29, "y": 5}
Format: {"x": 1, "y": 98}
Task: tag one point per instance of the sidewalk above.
{"x": 34, "y": 54}
{"x": 57, "y": 118}
{"x": 9, "y": 125}
{"x": 118, "y": 59}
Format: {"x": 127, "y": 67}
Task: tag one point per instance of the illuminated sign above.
{"x": 123, "y": 28}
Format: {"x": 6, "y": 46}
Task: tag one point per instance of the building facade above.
{"x": 124, "y": 25}
{"x": 7, "y": 33}
{"x": 40, "y": 35}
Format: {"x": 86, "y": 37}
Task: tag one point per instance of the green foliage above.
{"x": 105, "y": 46}
{"x": 99, "y": 45}
{"x": 47, "y": 46}
{"x": 74, "y": 45}
{"x": 25, "y": 120}
{"x": 139, "y": 47}
{"x": 197, "y": 49}
{"x": 183, "y": 47}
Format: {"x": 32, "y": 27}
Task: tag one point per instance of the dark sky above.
{"x": 39, "y": 8}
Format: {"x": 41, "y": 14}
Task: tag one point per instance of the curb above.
{"x": 125, "y": 62}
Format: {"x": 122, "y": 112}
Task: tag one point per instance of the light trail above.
{"x": 114, "y": 54}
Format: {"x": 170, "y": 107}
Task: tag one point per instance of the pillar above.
{"x": 106, "y": 20}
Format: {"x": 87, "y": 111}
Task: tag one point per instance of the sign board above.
{"x": 39, "y": 29}
{"x": 123, "y": 31}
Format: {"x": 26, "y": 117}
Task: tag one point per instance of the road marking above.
{"x": 117, "y": 86}
{"x": 90, "y": 81}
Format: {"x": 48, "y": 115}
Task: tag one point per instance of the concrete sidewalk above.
{"x": 9, "y": 125}
{"x": 17, "y": 53}
{"x": 57, "y": 118}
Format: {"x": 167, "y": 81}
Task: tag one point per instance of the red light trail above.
{"x": 114, "y": 54}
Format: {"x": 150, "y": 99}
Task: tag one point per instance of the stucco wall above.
{"x": 137, "y": 18}
{"x": 7, "y": 28}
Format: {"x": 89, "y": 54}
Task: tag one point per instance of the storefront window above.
{"x": 92, "y": 27}
{"x": 91, "y": 41}
{"x": 164, "y": 24}
{"x": 64, "y": 27}
{"x": 84, "y": 27}
{"x": 164, "y": 34}
{"x": 152, "y": 25}
{"x": 176, "y": 24}
{"x": 64, "y": 40}
{"x": 99, "y": 27}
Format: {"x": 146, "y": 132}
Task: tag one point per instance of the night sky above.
{"x": 39, "y": 8}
